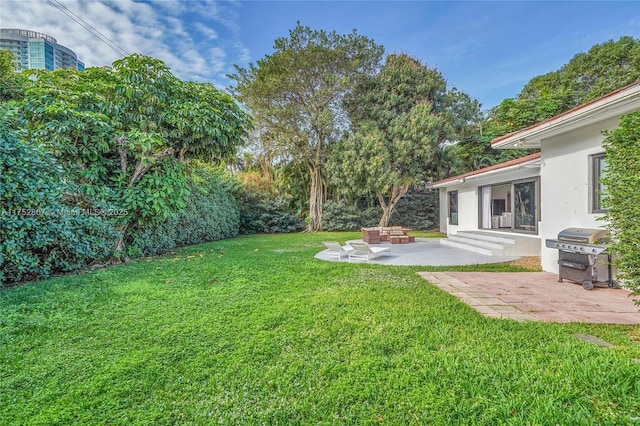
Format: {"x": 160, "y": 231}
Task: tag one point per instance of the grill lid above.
{"x": 584, "y": 235}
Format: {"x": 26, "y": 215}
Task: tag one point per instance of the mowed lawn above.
{"x": 254, "y": 330}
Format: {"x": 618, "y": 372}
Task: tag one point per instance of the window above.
{"x": 597, "y": 190}
{"x": 453, "y": 207}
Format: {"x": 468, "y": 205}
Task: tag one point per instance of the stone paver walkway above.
{"x": 537, "y": 296}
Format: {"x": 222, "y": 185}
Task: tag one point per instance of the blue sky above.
{"x": 487, "y": 49}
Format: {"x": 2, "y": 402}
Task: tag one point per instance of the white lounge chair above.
{"x": 365, "y": 251}
{"x": 334, "y": 249}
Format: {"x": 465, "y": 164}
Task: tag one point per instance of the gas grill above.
{"x": 578, "y": 253}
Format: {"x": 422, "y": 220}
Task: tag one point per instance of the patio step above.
{"x": 495, "y": 244}
{"x": 473, "y": 244}
{"x": 483, "y": 236}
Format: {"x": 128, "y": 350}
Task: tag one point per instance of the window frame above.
{"x": 457, "y": 207}
{"x": 595, "y": 186}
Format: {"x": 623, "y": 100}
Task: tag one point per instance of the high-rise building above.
{"x": 34, "y": 50}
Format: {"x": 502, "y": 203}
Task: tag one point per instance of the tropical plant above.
{"x": 343, "y": 216}
{"x": 262, "y": 213}
{"x": 123, "y": 133}
{"x": 211, "y": 213}
{"x": 295, "y": 96}
{"x": 42, "y": 231}
{"x": 11, "y": 82}
{"x": 402, "y": 119}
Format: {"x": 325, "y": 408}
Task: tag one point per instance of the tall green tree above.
{"x": 603, "y": 68}
{"x": 11, "y": 82}
{"x": 402, "y": 118}
{"x": 123, "y": 133}
{"x": 295, "y": 97}
{"x": 587, "y": 76}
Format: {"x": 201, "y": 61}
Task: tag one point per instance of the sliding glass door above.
{"x": 495, "y": 206}
{"x": 525, "y": 206}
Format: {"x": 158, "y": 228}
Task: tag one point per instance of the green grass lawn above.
{"x": 254, "y": 330}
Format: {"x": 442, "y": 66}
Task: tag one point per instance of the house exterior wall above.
{"x": 567, "y": 144}
{"x": 565, "y": 177}
{"x": 467, "y": 207}
{"x": 468, "y": 193}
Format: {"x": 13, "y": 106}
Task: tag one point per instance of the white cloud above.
{"x": 243, "y": 54}
{"x": 206, "y": 32}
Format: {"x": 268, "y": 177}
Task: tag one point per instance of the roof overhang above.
{"x": 530, "y": 161}
{"x": 612, "y": 105}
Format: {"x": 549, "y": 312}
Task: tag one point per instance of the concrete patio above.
{"x": 521, "y": 296}
{"x": 425, "y": 251}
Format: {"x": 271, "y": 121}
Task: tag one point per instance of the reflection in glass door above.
{"x": 524, "y": 205}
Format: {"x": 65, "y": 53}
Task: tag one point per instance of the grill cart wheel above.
{"x": 587, "y": 285}
{"x": 613, "y": 284}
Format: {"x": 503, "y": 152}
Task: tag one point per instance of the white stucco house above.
{"x": 512, "y": 207}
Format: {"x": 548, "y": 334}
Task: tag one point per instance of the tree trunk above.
{"x": 122, "y": 152}
{"x": 142, "y": 167}
{"x": 181, "y": 154}
{"x": 119, "y": 247}
{"x": 316, "y": 199}
{"x": 384, "y": 220}
{"x": 397, "y": 192}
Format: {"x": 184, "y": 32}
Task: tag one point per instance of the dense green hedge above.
{"x": 622, "y": 180}
{"x": 262, "y": 214}
{"x": 418, "y": 211}
{"x": 40, "y": 234}
{"x": 343, "y": 216}
{"x": 211, "y": 214}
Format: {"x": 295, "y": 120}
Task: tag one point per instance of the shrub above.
{"x": 622, "y": 147}
{"x": 343, "y": 216}
{"x": 418, "y": 210}
{"x": 211, "y": 214}
{"x": 262, "y": 214}
{"x": 39, "y": 233}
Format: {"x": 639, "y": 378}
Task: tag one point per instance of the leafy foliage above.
{"x": 261, "y": 213}
{"x": 587, "y": 76}
{"x": 604, "y": 68}
{"x": 11, "y": 82}
{"x": 40, "y": 233}
{"x": 622, "y": 180}
{"x": 211, "y": 213}
{"x": 402, "y": 117}
{"x": 295, "y": 96}
{"x": 418, "y": 211}
{"x": 344, "y": 216}
{"x": 123, "y": 133}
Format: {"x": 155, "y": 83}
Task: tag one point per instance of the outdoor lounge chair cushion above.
{"x": 365, "y": 251}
